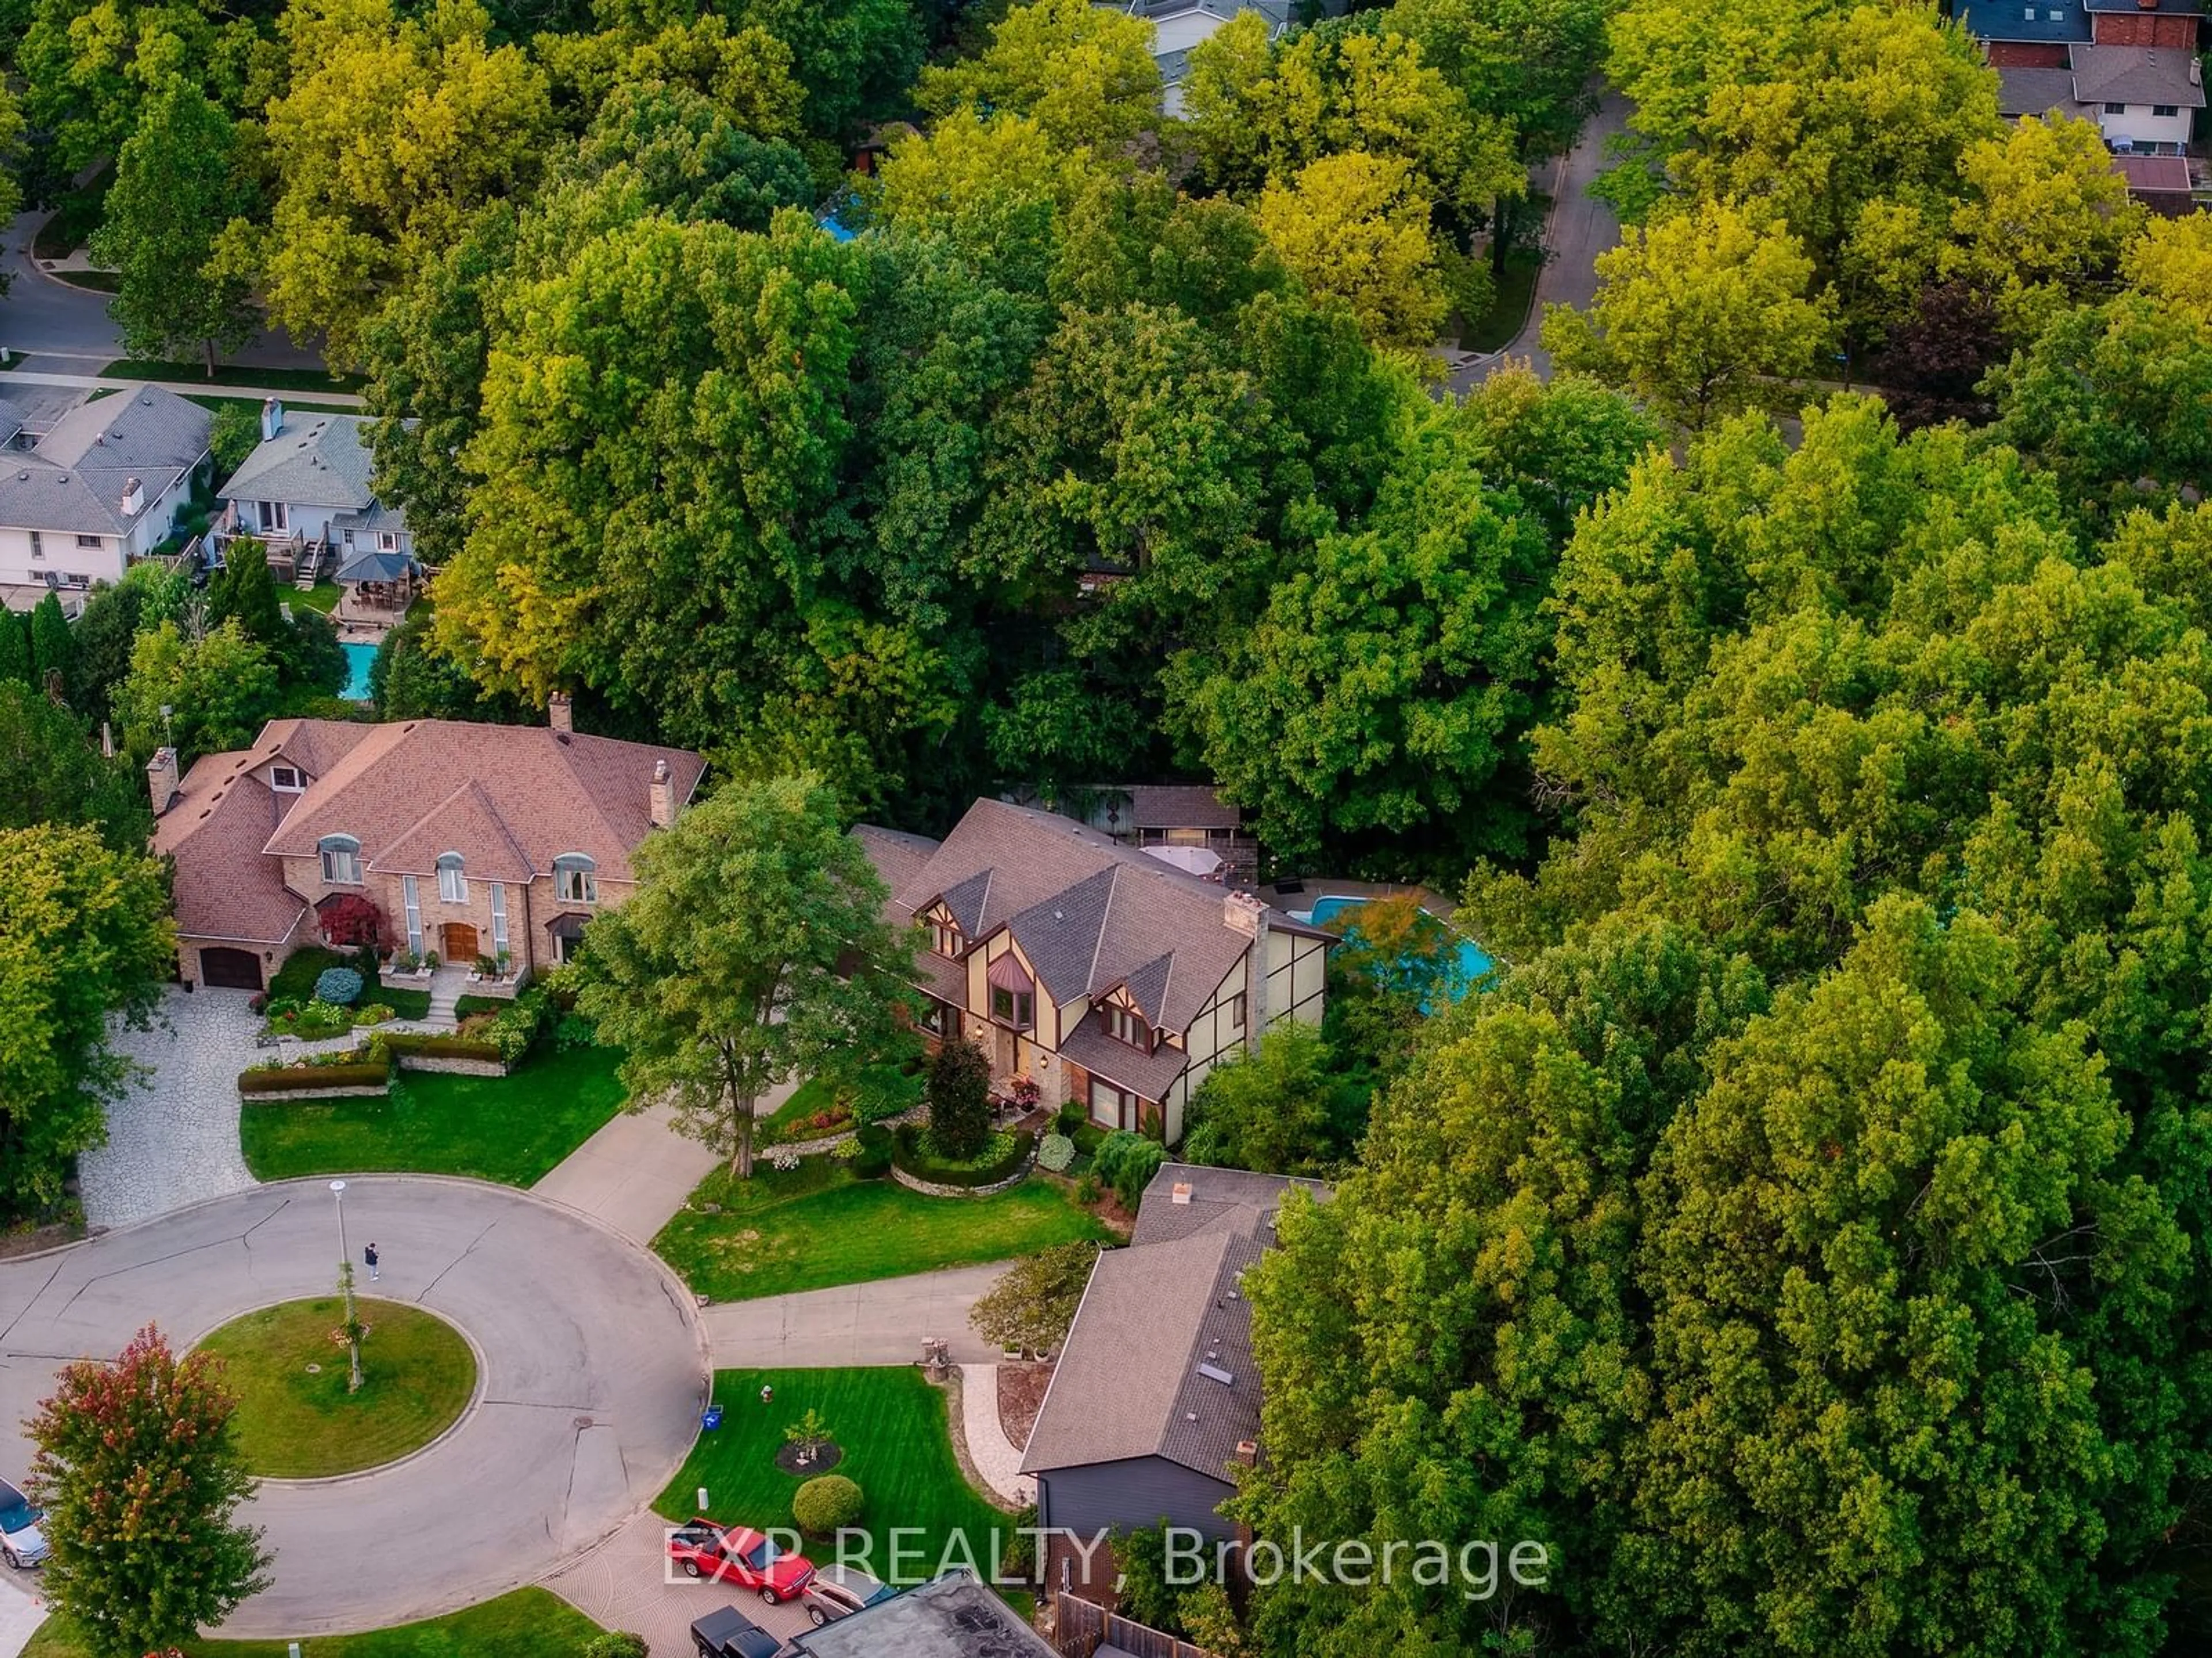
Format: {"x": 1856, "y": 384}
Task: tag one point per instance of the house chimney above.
{"x": 1247, "y": 914}
{"x": 1179, "y": 1192}
{"x": 272, "y": 418}
{"x": 134, "y": 498}
{"x": 559, "y": 714}
{"x": 1240, "y": 912}
{"x": 660, "y": 798}
{"x": 1248, "y": 1453}
{"x": 161, "y": 779}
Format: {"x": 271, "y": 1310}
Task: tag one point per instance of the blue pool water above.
{"x": 1474, "y": 962}
{"x": 358, "y": 657}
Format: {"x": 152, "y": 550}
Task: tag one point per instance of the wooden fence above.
{"x": 1081, "y": 1627}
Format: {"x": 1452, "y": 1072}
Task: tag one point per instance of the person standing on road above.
{"x": 368, "y": 1256}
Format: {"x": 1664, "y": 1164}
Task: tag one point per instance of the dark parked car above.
{"x": 839, "y": 1592}
{"x": 730, "y": 1634}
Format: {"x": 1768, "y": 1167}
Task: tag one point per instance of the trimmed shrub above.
{"x": 915, "y": 1153}
{"x": 1055, "y": 1153}
{"x": 434, "y": 1046}
{"x": 872, "y": 1152}
{"x": 959, "y": 1094}
{"x": 824, "y": 1505}
{"x": 616, "y": 1643}
{"x": 341, "y": 986}
{"x": 315, "y": 1076}
{"x": 1127, "y": 1162}
{"x": 374, "y": 1013}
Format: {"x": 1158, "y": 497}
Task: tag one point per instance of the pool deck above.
{"x": 1328, "y": 887}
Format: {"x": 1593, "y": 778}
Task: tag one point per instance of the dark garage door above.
{"x": 231, "y": 969}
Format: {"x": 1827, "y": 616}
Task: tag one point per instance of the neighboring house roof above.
{"x": 2136, "y": 75}
{"x": 2163, "y": 8}
{"x": 11, "y": 421}
{"x": 314, "y": 460}
{"x": 375, "y": 518}
{"x": 948, "y": 1617}
{"x": 74, "y": 478}
{"x": 1129, "y": 1382}
{"x": 1088, "y": 912}
{"x": 2154, "y": 175}
{"x": 2049, "y": 21}
{"x": 507, "y": 797}
{"x": 1180, "y": 25}
{"x": 1180, "y": 805}
{"x": 215, "y": 828}
{"x": 2035, "y": 92}
{"x": 897, "y": 856}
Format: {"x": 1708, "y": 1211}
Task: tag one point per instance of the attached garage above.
{"x": 230, "y": 970}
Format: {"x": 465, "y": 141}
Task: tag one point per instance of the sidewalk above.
{"x": 182, "y": 388}
{"x": 632, "y": 1176}
{"x": 878, "y": 1323}
{"x": 22, "y": 1609}
{"x": 988, "y": 1449}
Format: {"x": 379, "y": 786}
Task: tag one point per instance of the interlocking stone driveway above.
{"x": 176, "y": 1141}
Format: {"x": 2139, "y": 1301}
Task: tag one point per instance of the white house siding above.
{"x": 2144, "y": 130}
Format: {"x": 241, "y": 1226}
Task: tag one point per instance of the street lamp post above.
{"x": 345, "y": 1284}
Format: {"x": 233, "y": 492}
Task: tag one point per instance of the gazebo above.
{"x": 380, "y": 581}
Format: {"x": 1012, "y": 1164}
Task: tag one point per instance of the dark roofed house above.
{"x": 470, "y": 839}
{"x": 2018, "y": 34}
{"x": 2169, "y": 23}
{"x": 948, "y": 1617}
{"x": 1155, "y": 1398}
{"x": 1107, "y": 976}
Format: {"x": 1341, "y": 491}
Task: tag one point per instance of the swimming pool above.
{"x": 358, "y": 657}
{"x": 1474, "y": 962}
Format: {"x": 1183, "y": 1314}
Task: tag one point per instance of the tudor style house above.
{"x": 469, "y": 839}
{"x": 1104, "y": 973}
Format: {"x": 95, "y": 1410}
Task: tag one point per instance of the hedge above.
{"x": 318, "y": 1076}
{"x": 433, "y": 1046}
{"x": 910, "y": 1151}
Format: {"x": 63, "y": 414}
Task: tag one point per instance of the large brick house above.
{"x": 1102, "y": 973}
{"x": 468, "y": 839}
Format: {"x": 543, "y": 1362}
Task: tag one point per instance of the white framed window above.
{"x": 286, "y": 780}
{"x": 341, "y": 861}
{"x": 452, "y": 881}
{"x": 348, "y": 538}
{"x": 412, "y": 898}
{"x": 387, "y": 541}
{"x": 94, "y": 542}
{"x": 498, "y": 917}
{"x": 575, "y": 879}
{"x": 37, "y": 546}
{"x": 1110, "y": 1107}
{"x": 945, "y": 938}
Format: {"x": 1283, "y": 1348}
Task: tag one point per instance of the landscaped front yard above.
{"x": 527, "y": 1623}
{"x": 511, "y": 1129}
{"x": 295, "y": 980}
{"x": 891, "y": 1426}
{"x": 815, "y": 1225}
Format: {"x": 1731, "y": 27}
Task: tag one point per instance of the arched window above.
{"x": 341, "y": 860}
{"x": 576, "y": 879}
{"x": 452, "y": 884}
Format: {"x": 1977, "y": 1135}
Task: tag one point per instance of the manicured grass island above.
{"x": 528, "y": 1624}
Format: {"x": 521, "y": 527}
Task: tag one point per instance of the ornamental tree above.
{"x": 140, "y": 1476}
{"x": 1034, "y": 1303}
{"x": 753, "y": 950}
{"x": 958, "y": 1093}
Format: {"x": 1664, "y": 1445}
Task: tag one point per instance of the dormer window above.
{"x": 1126, "y": 1025}
{"x": 452, "y": 883}
{"x": 1014, "y": 1000}
{"x": 576, "y": 879}
{"x": 286, "y": 780}
{"x": 341, "y": 861}
{"x": 945, "y": 936}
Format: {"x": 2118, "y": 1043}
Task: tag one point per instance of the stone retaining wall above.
{"x": 932, "y": 1189}
{"x": 285, "y": 1095}
{"x": 450, "y": 1065}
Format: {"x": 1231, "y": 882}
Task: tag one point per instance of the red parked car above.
{"x": 739, "y": 1555}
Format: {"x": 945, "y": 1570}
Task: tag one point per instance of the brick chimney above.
{"x": 161, "y": 779}
{"x": 660, "y": 798}
{"x": 559, "y": 714}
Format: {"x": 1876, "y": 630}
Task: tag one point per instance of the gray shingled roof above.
{"x": 1180, "y": 805}
{"x": 2049, "y": 22}
{"x": 74, "y": 480}
{"x": 2136, "y": 75}
{"x": 1221, "y": 1199}
{"x": 315, "y": 461}
{"x": 1089, "y": 912}
{"x": 2036, "y": 91}
{"x": 948, "y": 1617}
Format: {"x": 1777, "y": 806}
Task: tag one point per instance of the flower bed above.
{"x": 1005, "y": 1156}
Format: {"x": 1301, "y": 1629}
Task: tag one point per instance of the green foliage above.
{"x": 753, "y": 946}
{"x": 1282, "y": 1109}
{"x": 615, "y": 1644}
{"x": 52, "y": 772}
{"x": 16, "y": 649}
{"x": 220, "y": 690}
{"x": 1085, "y": 73}
{"x": 140, "y": 1479}
{"x": 958, "y": 1092}
{"x": 1031, "y": 1307}
{"x": 1055, "y": 1153}
{"x": 1127, "y": 1160}
{"x": 235, "y": 434}
{"x": 84, "y": 938}
{"x": 999, "y": 1156}
{"x": 826, "y": 1505}
{"x": 53, "y": 654}
{"x": 341, "y": 985}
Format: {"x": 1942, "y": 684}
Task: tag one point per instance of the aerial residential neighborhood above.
{"x": 1105, "y": 828}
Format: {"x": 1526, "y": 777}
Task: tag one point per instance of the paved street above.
{"x": 593, "y": 1377}
{"x": 878, "y": 1323}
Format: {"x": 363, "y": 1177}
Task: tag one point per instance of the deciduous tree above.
{"x": 1355, "y": 229}
{"x": 1281, "y": 1108}
{"x": 753, "y": 950}
{"x": 220, "y": 690}
{"x": 52, "y": 771}
{"x": 958, "y": 1095}
{"x": 1034, "y": 1305}
{"x": 1085, "y": 73}
{"x": 140, "y": 1477}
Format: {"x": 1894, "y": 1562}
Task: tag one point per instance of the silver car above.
{"x": 839, "y": 1592}
{"x": 21, "y": 1543}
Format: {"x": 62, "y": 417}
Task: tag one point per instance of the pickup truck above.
{"x": 739, "y": 1555}
{"x": 730, "y": 1634}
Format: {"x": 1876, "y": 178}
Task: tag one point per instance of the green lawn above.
{"x": 890, "y": 1424}
{"x": 77, "y": 213}
{"x": 510, "y": 1129}
{"x": 323, "y": 596}
{"x": 818, "y": 1226}
{"x": 280, "y": 379}
{"x": 417, "y": 1375}
{"x": 527, "y": 1623}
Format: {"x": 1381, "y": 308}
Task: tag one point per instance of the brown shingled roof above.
{"x": 214, "y": 829}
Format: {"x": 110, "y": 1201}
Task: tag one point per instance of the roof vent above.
{"x": 1179, "y": 1192}
{"x": 1190, "y": 1416}
{"x": 148, "y": 400}
{"x": 24, "y": 477}
{"x": 1215, "y": 1373}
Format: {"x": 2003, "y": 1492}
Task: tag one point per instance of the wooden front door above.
{"x": 460, "y": 943}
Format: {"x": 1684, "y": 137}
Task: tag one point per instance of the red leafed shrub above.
{"x": 350, "y": 919}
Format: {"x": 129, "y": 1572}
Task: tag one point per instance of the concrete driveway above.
{"x": 879, "y": 1323}
{"x": 594, "y": 1374}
